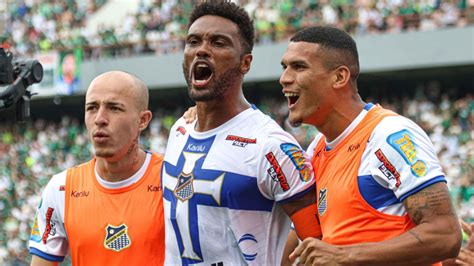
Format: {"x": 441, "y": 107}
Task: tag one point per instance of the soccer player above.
{"x": 232, "y": 177}
{"x": 381, "y": 193}
{"x": 108, "y": 211}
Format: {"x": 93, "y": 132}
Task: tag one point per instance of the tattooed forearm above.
{"x": 431, "y": 201}
{"x": 416, "y": 236}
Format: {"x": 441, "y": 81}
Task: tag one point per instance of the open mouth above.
{"x": 292, "y": 98}
{"x": 202, "y": 73}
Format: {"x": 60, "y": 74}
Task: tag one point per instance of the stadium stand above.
{"x": 31, "y": 153}
{"x": 158, "y": 26}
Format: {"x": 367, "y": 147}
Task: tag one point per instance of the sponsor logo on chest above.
{"x": 240, "y": 141}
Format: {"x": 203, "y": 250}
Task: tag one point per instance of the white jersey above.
{"x": 399, "y": 160}
{"x": 221, "y": 190}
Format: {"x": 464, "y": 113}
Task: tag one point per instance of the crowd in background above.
{"x": 159, "y": 26}
{"x": 31, "y": 153}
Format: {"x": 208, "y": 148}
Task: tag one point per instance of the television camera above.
{"x": 18, "y": 76}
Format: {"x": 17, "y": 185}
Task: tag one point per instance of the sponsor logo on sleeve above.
{"x": 402, "y": 142}
{"x": 181, "y": 130}
{"x": 117, "y": 238}
{"x": 35, "y": 232}
{"x": 50, "y": 229}
{"x": 240, "y": 141}
{"x": 298, "y": 159}
{"x": 275, "y": 171}
{"x": 322, "y": 201}
{"x": 387, "y": 168}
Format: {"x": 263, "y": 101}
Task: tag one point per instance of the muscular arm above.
{"x": 38, "y": 261}
{"x": 437, "y": 235}
{"x": 303, "y": 213}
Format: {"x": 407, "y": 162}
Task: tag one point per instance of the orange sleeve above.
{"x": 306, "y": 222}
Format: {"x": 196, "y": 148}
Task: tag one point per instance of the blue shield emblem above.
{"x": 116, "y": 237}
{"x": 184, "y": 189}
{"x": 322, "y": 201}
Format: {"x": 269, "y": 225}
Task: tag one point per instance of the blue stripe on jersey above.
{"x": 422, "y": 186}
{"x": 235, "y": 191}
{"x": 368, "y": 106}
{"x": 239, "y": 192}
{"x": 46, "y": 256}
{"x": 374, "y": 194}
{"x": 296, "y": 196}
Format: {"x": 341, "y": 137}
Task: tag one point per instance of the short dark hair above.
{"x": 332, "y": 39}
{"x": 231, "y": 12}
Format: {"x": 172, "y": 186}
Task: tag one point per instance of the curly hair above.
{"x": 231, "y": 12}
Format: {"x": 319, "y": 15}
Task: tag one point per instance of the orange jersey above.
{"x": 347, "y": 218}
{"x": 104, "y": 226}
{"x": 360, "y": 190}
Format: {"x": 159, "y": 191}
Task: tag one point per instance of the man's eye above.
{"x": 192, "y": 41}
{"x": 219, "y": 43}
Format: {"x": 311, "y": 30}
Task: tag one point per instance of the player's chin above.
{"x": 294, "y": 120}
{"x": 103, "y": 153}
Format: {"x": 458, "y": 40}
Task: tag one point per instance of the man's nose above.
{"x": 101, "y": 118}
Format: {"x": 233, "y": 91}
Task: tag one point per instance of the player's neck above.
{"x": 212, "y": 114}
{"x": 341, "y": 117}
{"x": 114, "y": 171}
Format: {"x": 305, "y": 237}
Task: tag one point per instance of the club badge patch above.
{"x": 184, "y": 189}
{"x": 116, "y": 237}
{"x": 298, "y": 159}
{"x": 402, "y": 142}
{"x": 322, "y": 201}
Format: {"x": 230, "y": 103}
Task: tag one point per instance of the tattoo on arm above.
{"x": 416, "y": 236}
{"x": 430, "y": 202}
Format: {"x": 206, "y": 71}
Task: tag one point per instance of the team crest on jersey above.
{"x": 116, "y": 237}
{"x": 402, "y": 142}
{"x": 184, "y": 189}
{"x": 298, "y": 159}
{"x": 322, "y": 201}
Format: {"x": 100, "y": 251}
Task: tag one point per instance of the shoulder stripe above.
{"x": 423, "y": 186}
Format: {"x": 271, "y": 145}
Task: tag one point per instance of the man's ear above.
{"x": 342, "y": 76}
{"x": 145, "y": 118}
{"x": 245, "y": 63}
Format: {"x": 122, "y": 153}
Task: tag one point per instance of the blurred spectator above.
{"x": 159, "y": 26}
